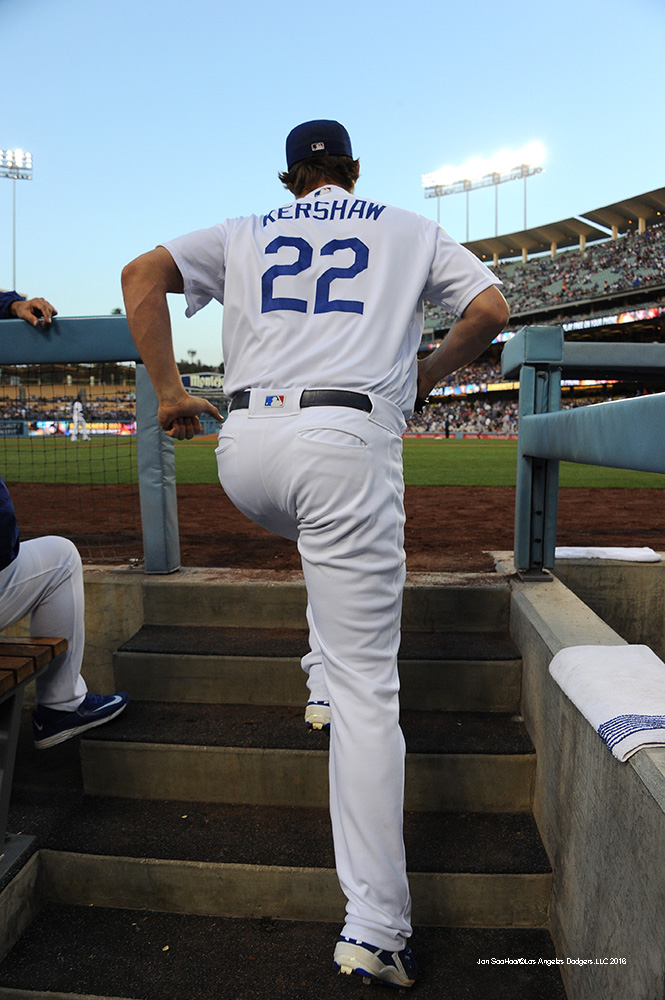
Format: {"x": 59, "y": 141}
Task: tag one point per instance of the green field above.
{"x": 59, "y": 460}
{"x": 426, "y": 463}
{"x": 471, "y": 462}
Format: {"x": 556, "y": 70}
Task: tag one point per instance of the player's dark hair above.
{"x": 322, "y": 168}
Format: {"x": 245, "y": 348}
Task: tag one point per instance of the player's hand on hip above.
{"x": 180, "y": 420}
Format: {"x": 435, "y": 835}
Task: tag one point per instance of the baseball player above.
{"x": 79, "y": 424}
{"x": 323, "y": 314}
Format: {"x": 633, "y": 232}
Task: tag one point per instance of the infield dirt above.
{"x": 448, "y": 528}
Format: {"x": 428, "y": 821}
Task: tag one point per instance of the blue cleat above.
{"x": 50, "y": 726}
{"x": 397, "y": 968}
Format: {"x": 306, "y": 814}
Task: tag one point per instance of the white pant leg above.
{"x": 45, "y": 581}
{"x": 337, "y": 475}
{"x": 312, "y": 664}
{"x": 351, "y": 543}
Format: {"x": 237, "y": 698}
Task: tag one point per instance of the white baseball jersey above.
{"x": 326, "y": 292}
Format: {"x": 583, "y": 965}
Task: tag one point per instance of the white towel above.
{"x": 620, "y": 690}
{"x": 644, "y": 554}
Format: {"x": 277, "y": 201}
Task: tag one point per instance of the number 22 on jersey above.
{"x": 322, "y": 301}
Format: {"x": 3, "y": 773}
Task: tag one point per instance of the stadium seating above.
{"x": 636, "y": 260}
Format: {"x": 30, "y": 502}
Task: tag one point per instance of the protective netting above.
{"x": 68, "y": 455}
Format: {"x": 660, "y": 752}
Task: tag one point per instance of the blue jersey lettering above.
{"x": 338, "y": 208}
{"x": 374, "y": 211}
{"x": 357, "y": 208}
{"x": 269, "y": 302}
{"x": 322, "y": 301}
{"x": 322, "y": 210}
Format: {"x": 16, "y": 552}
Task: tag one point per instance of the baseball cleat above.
{"x": 317, "y": 714}
{"x": 50, "y": 726}
{"x": 397, "y": 968}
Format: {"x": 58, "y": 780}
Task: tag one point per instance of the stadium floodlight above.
{"x": 16, "y": 165}
{"x": 507, "y": 165}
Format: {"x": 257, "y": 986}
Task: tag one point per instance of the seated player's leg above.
{"x": 45, "y": 581}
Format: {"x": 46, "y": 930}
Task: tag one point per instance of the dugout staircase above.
{"x": 184, "y": 850}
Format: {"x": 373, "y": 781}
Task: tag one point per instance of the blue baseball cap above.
{"x": 317, "y": 137}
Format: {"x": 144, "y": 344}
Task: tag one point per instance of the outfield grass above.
{"x": 426, "y": 463}
{"x": 109, "y": 460}
{"x": 469, "y": 462}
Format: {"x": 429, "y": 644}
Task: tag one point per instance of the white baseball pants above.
{"x": 331, "y": 477}
{"x": 45, "y": 581}
{"x": 79, "y": 425}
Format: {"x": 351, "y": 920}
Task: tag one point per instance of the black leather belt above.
{"x": 314, "y": 397}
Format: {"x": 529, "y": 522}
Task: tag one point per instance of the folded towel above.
{"x": 620, "y": 690}
{"x": 588, "y": 552}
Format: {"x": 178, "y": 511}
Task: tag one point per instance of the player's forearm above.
{"x": 150, "y": 326}
{"x": 483, "y": 320}
{"x": 462, "y": 345}
{"x": 145, "y": 283}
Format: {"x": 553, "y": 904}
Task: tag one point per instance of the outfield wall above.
{"x": 53, "y": 428}
{"x": 435, "y": 436}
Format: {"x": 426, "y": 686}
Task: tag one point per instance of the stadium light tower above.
{"x": 508, "y": 165}
{"x": 16, "y": 165}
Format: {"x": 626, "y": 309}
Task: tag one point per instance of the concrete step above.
{"x": 287, "y": 836}
{"x": 244, "y": 861}
{"x": 199, "y": 864}
{"x": 474, "y": 671}
{"x": 440, "y": 899}
{"x": 209, "y": 597}
{"x": 97, "y": 952}
{"x": 264, "y": 755}
{"x": 466, "y": 870}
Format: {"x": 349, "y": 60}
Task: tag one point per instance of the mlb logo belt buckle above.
{"x": 274, "y": 401}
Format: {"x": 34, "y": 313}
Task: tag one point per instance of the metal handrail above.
{"x": 625, "y": 434}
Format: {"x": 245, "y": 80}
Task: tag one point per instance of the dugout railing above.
{"x": 623, "y": 434}
{"x": 98, "y": 339}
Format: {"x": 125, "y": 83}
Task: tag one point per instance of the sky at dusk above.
{"x": 150, "y": 120}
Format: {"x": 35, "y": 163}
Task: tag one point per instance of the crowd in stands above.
{"x": 460, "y": 416}
{"x": 633, "y": 261}
{"x": 103, "y": 409}
{"x": 477, "y": 373}
{"x": 448, "y": 415}
{"x": 636, "y": 260}
{"x": 457, "y": 415}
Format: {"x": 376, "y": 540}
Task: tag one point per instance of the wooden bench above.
{"x": 21, "y": 660}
